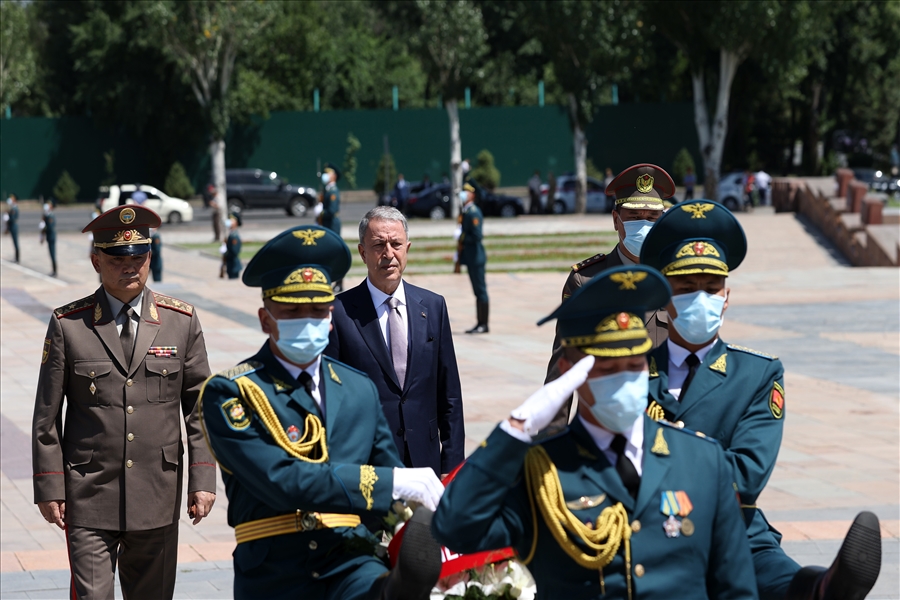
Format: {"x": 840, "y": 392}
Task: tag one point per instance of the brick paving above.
{"x": 836, "y": 329}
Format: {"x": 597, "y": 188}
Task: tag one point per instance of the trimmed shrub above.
{"x": 66, "y": 190}
{"x": 177, "y": 183}
{"x": 485, "y": 173}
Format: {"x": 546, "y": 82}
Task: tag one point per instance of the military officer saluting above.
{"x": 640, "y": 192}
{"x": 735, "y": 394}
{"x": 617, "y": 505}
{"x": 305, "y": 448}
{"x": 129, "y": 364}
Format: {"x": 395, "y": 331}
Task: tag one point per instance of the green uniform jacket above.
{"x": 331, "y": 206}
{"x": 262, "y": 480}
{"x": 486, "y": 507}
{"x": 472, "y": 249}
{"x": 233, "y": 264}
{"x": 736, "y": 397}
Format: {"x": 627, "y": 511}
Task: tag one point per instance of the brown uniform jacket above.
{"x": 656, "y": 322}
{"x": 119, "y": 463}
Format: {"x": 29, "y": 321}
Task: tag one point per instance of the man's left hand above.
{"x": 200, "y": 504}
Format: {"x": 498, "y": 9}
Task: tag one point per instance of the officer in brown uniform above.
{"x": 130, "y": 364}
{"x": 639, "y": 192}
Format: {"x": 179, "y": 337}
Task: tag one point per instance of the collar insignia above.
{"x": 659, "y": 444}
{"x": 720, "y": 364}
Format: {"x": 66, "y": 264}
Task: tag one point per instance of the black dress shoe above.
{"x": 478, "y": 329}
{"x": 419, "y": 563}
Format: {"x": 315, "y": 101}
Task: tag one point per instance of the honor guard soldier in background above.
{"x": 156, "y": 265}
{"x": 12, "y": 221}
{"x": 616, "y": 505}
{"x": 129, "y": 364}
{"x": 639, "y": 192}
{"x": 472, "y": 254}
{"x": 305, "y": 448}
{"x": 48, "y": 232}
{"x": 331, "y": 206}
{"x": 735, "y": 394}
{"x": 232, "y": 244}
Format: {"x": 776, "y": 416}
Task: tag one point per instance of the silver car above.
{"x": 564, "y": 199}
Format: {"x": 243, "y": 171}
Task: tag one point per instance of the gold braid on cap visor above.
{"x": 324, "y": 288}
{"x": 696, "y": 264}
{"x": 586, "y": 343}
{"x": 639, "y": 200}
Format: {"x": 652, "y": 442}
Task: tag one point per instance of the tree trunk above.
{"x": 579, "y": 142}
{"x": 455, "y": 156}
{"x": 712, "y": 139}
{"x": 217, "y": 157}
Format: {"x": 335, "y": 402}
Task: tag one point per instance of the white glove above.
{"x": 418, "y": 485}
{"x": 457, "y": 232}
{"x": 540, "y": 408}
{"x": 317, "y": 209}
{"x": 223, "y": 249}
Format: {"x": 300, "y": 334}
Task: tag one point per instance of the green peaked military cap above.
{"x": 605, "y": 317}
{"x": 123, "y": 230}
{"x": 331, "y": 168}
{"x": 298, "y": 265}
{"x": 700, "y": 236}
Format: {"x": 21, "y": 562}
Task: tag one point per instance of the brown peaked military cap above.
{"x": 123, "y": 230}
{"x": 642, "y": 186}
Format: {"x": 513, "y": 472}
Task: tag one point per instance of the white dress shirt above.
{"x": 116, "y": 305}
{"x": 313, "y": 371}
{"x": 678, "y": 368}
{"x": 634, "y": 447}
{"x": 379, "y": 301}
{"x": 625, "y": 260}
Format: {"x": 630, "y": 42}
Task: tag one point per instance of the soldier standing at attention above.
{"x": 306, "y": 450}
{"x": 616, "y": 505}
{"x": 232, "y": 245}
{"x": 12, "y": 221}
{"x": 736, "y": 395}
{"x": 472, "y": 255}
{"x": 156, "y": 265}
{"x": 48, "y": 232}
{"x": 129, "y": 364}
{"x": 331, "y": 206}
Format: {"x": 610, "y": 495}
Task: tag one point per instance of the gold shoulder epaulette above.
{"x": 242, "y": 369}
{"x": 174, "y": 304}
{"x": 751, "y": 351}
{"x": 74, "y": 307}
{"x": 588, "y": 262}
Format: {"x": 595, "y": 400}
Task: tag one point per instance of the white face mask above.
{"x": 635, "y": 232}
{"x": 699, "y": 316}
{"x": 46, "y": 209}
{"x": 620, "y": 398}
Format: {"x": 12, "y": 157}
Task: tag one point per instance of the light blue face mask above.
{"x": 699, "y": 316}
{"x": 302, "y": 340}
{"x": 326, "y": 178}
{"x": 463, "y": 196}
{"x": 619, "y": 398}
{"x": 635, "y": 232}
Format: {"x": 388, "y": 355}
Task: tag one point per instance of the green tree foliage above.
{"x": 484, "y": 172}
{"x": 353, "y": 146}
{"x": 379, "y": 187}
{"x": 177, "y": 182}
{"x": 18, "y": 67}
{"x": 66, "y": 190}
{"x": 683, "y": 161}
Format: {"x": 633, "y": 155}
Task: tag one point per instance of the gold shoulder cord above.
{"x": 604, "y": 538}
{"x": 313, "y": 440}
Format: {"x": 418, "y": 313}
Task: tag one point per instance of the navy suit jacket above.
{"x": 426, "y": 413}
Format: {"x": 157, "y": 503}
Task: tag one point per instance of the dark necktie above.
{"x": 692, "y": 362}
{"x": 398, "y": 339}
{"x": 624, "y": 466}
{"x": 305, "y": 381}
{"x": 126, "y": 336}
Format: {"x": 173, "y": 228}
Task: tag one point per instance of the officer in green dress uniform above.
{"x": 616, "y": 505}
{"x": 156, "y": 265}
{"x": 48, "y": 232}
{"x": 305, "y": 448}
{"x": 232, "y": 257}
{"x": 733, "y": 393}
{"x": 472, "y": 255}
{"x": 12, "y": 222}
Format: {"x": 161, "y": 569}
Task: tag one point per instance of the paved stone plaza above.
{"x": 836, "y": 328}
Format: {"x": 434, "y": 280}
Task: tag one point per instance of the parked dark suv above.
{"x": 257, "y": 188}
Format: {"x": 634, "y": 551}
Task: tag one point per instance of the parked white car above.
{"x": 170, "y": 210}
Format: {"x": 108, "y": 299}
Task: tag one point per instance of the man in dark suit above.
{"x": 399, "y": 335}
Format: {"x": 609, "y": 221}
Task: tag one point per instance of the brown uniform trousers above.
{"x": 656, "y": 322}
{"x": 119, "y": 466}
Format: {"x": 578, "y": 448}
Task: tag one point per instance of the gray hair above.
{"x": 385, "y": 213}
